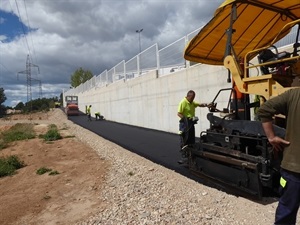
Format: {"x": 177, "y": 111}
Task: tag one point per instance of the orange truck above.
{"x": 72, "y": 108}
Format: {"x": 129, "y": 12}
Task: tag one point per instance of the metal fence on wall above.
{"x": 165, "y": 61}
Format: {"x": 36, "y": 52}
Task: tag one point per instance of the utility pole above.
{"x": 29, "y": 79}
{"x": 139, "y": 32}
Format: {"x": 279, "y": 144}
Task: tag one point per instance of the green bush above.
{"x": 43, "y": 170}
{"x": 2, "y": 144}
{"x": 15, "y": 162}
{"x": 52, "y": 135}
{"x": 52, "y": 173}
{"x": 6, "y": 169}
{"x": 18, "y": 132}
{"x": 9, "y": 165}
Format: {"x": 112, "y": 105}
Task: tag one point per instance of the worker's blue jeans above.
{"x": 286, "y": 212}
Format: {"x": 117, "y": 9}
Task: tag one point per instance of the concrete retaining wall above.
{"x": 151, "y": 101}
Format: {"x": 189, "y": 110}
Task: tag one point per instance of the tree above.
{"x": 2, "y": 100}
{"x": 40, "y": 104}
{"x": 20, "y": 106}
{"x": 2, "y": 96}
{"x": 80, "y": 76}
{"x": 61, "y": 98}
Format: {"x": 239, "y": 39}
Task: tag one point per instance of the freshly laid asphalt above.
{"x": 157, "y": 146}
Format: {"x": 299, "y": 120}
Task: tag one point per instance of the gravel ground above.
{"x": 138, "y": 191}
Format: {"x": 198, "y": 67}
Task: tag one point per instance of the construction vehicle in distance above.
{"x": 234, "y": 150}
{"x": 57, "y": 104}
{"x": 72, "y": 108}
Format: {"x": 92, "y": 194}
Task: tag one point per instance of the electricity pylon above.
{"x": 40, "y": 87}
{"x": 29, "y": 79}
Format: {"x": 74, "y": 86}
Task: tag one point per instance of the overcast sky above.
{"x": 62, "y": 35}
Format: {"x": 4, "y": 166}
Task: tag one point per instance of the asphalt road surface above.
{"x": 157, "y": 146}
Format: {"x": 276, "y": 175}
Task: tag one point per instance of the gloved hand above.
{"x": 209, "y": 105}
{"x": 195, "y": 118}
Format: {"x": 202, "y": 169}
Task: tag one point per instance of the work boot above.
{"x": 184, "y": 162}
{"x": 183, "y": 151}
{"x": 184, "y": 147}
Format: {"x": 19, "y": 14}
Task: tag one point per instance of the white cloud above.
{"x": 92, "y": 34}
{"x": 2, "y": 20}
{"x": 2, "y": 38}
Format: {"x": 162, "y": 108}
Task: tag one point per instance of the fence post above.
{"x": 157, "y": 59}
{"x": 124, "y": 69}
{"x": 187, "y": 63}
{"x": 94, "y": 81}
{"x": 113, "y": 75}
{"x": 106, "y": 76}
{"x": 138, "y": 64}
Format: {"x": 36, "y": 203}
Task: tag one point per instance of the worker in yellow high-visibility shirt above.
{"x": 88, "y": 112}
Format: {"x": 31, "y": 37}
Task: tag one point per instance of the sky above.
{"x": 60, "y": 36}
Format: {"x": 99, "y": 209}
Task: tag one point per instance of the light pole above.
{"x": 139, "y": 32}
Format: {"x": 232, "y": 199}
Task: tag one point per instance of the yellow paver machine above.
{"x": 234, "y": 150}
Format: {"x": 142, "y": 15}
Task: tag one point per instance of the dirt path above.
{"x": 72, "y": 195}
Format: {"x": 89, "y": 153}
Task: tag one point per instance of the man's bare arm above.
{"x": 180, "y": 115}
{"x": 277, "y": 142}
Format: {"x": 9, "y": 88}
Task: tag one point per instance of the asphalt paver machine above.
{"x": 234, "y": 150}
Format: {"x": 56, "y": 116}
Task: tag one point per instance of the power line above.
{"x": 29, "y": 32}
{"x": 1, "y": 77}
{"x": 22, "y": 27}
{"x": 10, "y": 6}
{"x": 6, "y": 68}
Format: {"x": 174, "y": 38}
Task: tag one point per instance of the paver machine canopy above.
{"x": 254, "y": 24}
{"x": 240, "y": 30}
